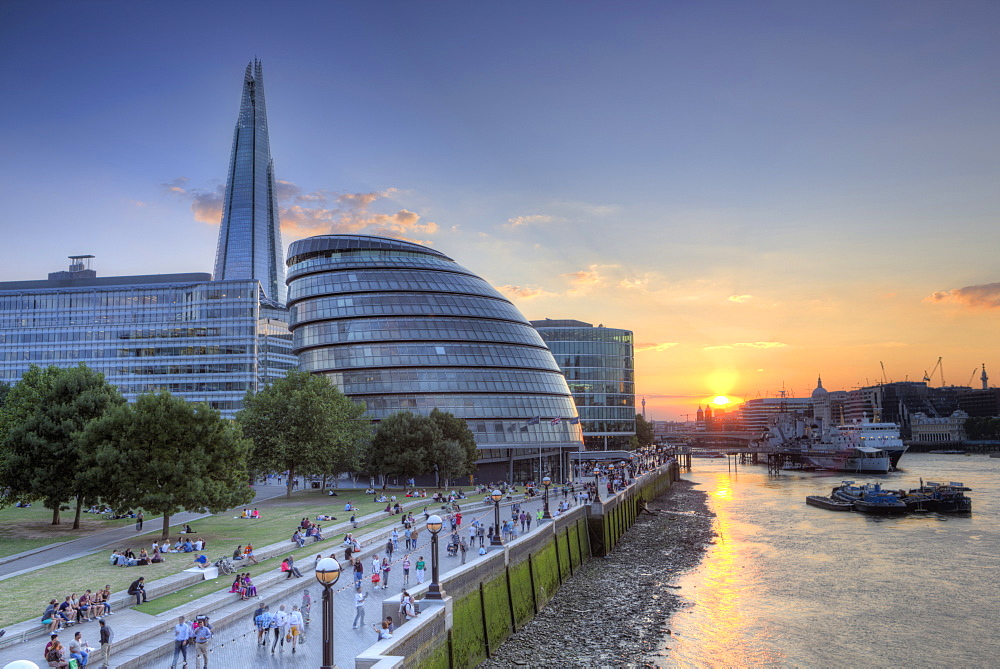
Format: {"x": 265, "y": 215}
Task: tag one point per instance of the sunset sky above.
{"x": 761, "y": 191}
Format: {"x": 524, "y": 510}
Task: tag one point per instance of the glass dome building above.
{"x": 406, "y": 328}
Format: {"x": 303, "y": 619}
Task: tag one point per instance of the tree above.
{"x": 402, "y": 444}
{"x": 643, "y": 431}
{"x": 47, "y": 459}
{"x": 22, "y": 398}
{"x": 304, "y": 424}
{"x": 455, "y": 452}
{"x": 167, "y": 455}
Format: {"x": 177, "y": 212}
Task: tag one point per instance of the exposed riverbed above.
{"x": 614, "y": 611}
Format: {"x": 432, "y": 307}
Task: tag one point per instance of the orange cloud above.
{"x": 656, "y": 347}
{"x": 522, "y": 293}
{"x": 739, "y": 299}
{"x": 317, "y": 213}
{"x": 984, "y": 296}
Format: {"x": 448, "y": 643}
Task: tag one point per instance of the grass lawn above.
{"x": 24, "y": 529}
{"x": 25, "y": 597}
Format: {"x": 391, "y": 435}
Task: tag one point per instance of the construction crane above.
{"x": 937, "y": 365}
{"x": 972, "y": 376}
{"x": 884, "y": 380}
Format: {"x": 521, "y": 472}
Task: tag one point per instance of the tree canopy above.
{"x": 303, "y": 424}
{"x": 643, "y": 431}
{"x": 409, "y": 445}
{"x": 46, "y": 457}
{"x": 167, "y": 455}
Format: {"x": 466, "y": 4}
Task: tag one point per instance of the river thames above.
{"x": 790, "y": 585}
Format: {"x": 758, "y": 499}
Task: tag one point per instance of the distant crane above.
{"x": 884, "y": 380}
{"x": 972, "y": 376}
{"x": 937, "y": 365}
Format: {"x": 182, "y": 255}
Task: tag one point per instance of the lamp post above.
{"x": 327, "y": 573}
{"x": 434, "y": 590}
{"x": 496, "y": 496}
{"x": 547, "y": 481}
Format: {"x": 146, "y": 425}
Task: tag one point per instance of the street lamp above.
{"x": 434, "y": 590}
{"x": 327, "y": 573}
{"x": 496, "y": 496}
{"x": 547, "y": 482}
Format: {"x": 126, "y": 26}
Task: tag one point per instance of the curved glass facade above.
{"x": 405, "y": 328}
{"x": 598, "y": 364}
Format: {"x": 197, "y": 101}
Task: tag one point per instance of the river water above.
{"x": 790, "y": 585}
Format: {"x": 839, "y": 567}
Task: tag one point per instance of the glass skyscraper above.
{"x": 406, "y": 328}
{"x": 599, "y": 367}
{"x": 250, "y": 238}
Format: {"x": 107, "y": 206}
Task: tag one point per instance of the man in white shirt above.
{"x": 295, "y": 625}
{"x": 359, "y": 607}
{"x": 182, "y": 634}
{"x": 278, "y": 623}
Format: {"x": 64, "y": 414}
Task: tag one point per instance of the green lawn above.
{"x": 24, "y": 529}
{"x": 280, "y": 517}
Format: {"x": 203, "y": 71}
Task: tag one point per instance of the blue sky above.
{"x": 762, "y": 191}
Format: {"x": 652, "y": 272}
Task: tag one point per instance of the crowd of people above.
{"x": 91, "y": 605}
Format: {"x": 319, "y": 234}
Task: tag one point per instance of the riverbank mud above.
{"x": 614, "y": 611}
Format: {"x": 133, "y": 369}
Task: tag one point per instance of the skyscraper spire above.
{"x": 250, "y": 237}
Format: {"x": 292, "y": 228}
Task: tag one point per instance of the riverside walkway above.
{"x": 144, "y": 640}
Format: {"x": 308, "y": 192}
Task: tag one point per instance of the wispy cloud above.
{"x": 984, "y": 296}
{"x": 747, "y": 344}
{"x": 523, "y": 221}
{"x": 523, "y": 293}
{"x": 656, "y": 347}
{"x": 740, "y": 299}
{"x": 318, "y": 212}
{"x": 583, "y": 281}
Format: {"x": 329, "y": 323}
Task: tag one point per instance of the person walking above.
{"x": 464, "y": 548}
{"x": 389, "y": 548}
{"x": 295, "y": 625}
{"x": 359, "y": 573}
{"x": 386, "y": 568}
{"x": 262, "y": 621}
{"x": 481, "y": 533}
{"x": 278, "y": 624}
{"x": 138, "y": 522}
{"x": 107, "y": 636}
{"x": 306, "y": 606}
{"x": 421, "y": 565}
{"x": 182, "y": 635}
{"x": 359, "y": 607}
{"x": 202, "y": 635}
{"x": 406, "y": 570}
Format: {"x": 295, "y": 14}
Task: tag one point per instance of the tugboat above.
{"x": 881, "y": 503}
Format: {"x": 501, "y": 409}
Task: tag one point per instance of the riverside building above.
{"x": 403, "y": 327}
{"x": 599, "y": 366}
{"x": 202, "y": 339}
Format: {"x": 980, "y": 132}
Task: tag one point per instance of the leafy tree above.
{"x": 304, "y": 424}
{"x": 47, "y": 459}
{"x": 643, "y": 431}
{"x": 402, "y": 445}
{"x": 167, "y": 455}
{"x": 21, "y": 399}
{"x": 455, "y": 452}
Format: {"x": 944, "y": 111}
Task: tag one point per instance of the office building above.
{"x": 599, "y": 366}
{"x": 203, "y": 340}
{"x": 406, "y": 328}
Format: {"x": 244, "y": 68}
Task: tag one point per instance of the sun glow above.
{"x": 721, "y": 400}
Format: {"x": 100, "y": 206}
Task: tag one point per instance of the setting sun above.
{"x": 721, "y": 400}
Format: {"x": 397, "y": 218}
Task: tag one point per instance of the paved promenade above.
{"x": 234, "y": 644}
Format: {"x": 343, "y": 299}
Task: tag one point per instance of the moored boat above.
{"x": 828, "y": 503}
{"x": 880, "y": 503}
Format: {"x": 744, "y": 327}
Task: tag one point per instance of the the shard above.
{"x": 250, "y": 238}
